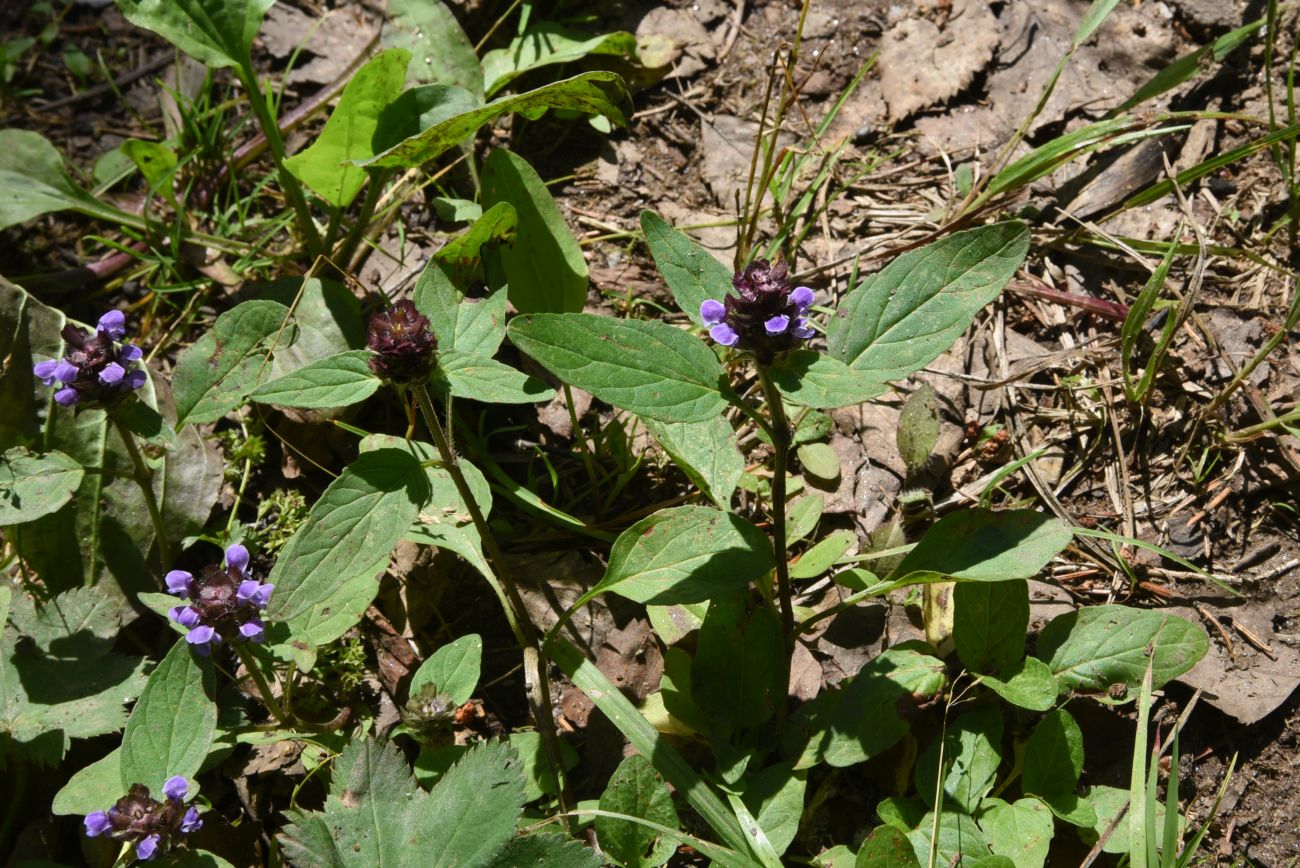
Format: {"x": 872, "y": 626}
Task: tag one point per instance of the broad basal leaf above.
{"x": 32, "y": 486}
{"x": 443, "y": 53}
{"x": 216, "y": 373}
{"x": 648, "y": 368}
{"x": 636, "y": 790}
{"x": 334, "y": 381}
{"x": 903, "y": 317}
{"x": 972, "y": 752}
{"x": 215, "y": 32}
{"x": 328, "y": 573}
{"x": 690, "y": 271}
{"x": 1053, "y": 756}
{"x": 34, "y": 181}
{"x": 989, "y": 624}
{"x": 983, "y": 546}
{"x": 737, "y": 674}
{"x": 172, "y": 725}
{"x": 1099, "y": 646}
{"x": 685, "y": 555}
{"x": 545, "y": 44}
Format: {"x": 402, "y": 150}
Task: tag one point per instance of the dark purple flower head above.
{"x": 154, "y": 827}
{"x": 96, "y": 370}
{"x": 403, "y": 344}
{"x": 222, "y": 602}
{"x": 765, "y": 316}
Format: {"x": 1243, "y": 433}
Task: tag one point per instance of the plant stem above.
{"x": 587, "y": 461}
{"x": 373, "y": 191}
{"x": 144, "y": 479}
{"x": 288, "y": 183}
{"x": 535, "y": 682}
{"x": 255, "y": 672}
{"x": 781, "y": 444}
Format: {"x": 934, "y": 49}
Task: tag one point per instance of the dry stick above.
{"x": 535, "y": 683}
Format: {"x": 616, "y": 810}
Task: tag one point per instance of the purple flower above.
{"x": 765, "y": 315}
{"x": 185, "y": 616}
{"x": 94, "y": 370}
{"x": 97, "y": 824}
{"x": 176, "y": 787}
{"x": 222, "y": 602}
{"x": 178, "y": 583}
{"x": 253, "y": 630}
{"x": 147, "y": 848}
{"x": 191, "y": 822}
{"x": 203, "y": 638}
{"x": 403, "y": 343}
{"x": 237, "y": 558}
{"x": 252, "y": 592}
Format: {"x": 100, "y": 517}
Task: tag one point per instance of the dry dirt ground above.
{"x": 1039, "y": 373}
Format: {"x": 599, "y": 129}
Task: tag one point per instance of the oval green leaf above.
{"x": 32, "y": 486}
{"x": 170, "y": 730}
{"x": 1093, "y": 648}
{"x": 334, "y": 381}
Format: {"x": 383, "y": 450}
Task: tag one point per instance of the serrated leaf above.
{"x": 328, "y": 572}
{"x": 598, "y": 93}
{"x": 810, "y": 379}
{"x": 1021, "y": 831}
{"x": 544, "y": 268}
{"x": 474, "y": 807}
{"x": 327, "y": 165}
{"x": 989, "y": 624}
{"x": 1093, "y": 648}
{"x": 547, "y": 43}
{"x": 972, "y": 752}
{"x": 902, "y": 318}
{"x": 686, "y": 554}
{"x": 691, "y": 272}
{"x": 487, "y": 380}
{"x": 1027, "y": 683}
{"x": 215, "y": 373}
{"x": 983, "y": 546}
{"x": 705, "y": 451}
{"x": 1053, "y": 756}
{"x": 171, "y": 728}
{"x": 442, "y": 53}
{"x": 32, "y": 486}
{"x": 453, "y": 669}
{"x": 637, "y": 790}
{"x": 215, "y": 32}
{"x": 545, "y": 850}
{"x": 334, "y": 381}
{"x": 34, "y": 181}
{"x": 736, "y": 675}
{"x": 647, "y": 368}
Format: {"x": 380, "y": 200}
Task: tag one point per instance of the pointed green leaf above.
{"x": 983, "y": 546}
{"x": 487, "y": 380}
{"x": 736, "y": 676}
{"x": 474, "y": 327}
{"x": 705, "y": 451}
{"x": 972, "y": 752}
{"x": 647, "y": 368}
{"x": 545, "y": 850}
{"x": 443, "y": 53}
{"x": 1053, "y": 756}
{"x": 334, "y": 381}
{"x": 32, "y": 486}
{"x": 1027, "y": 683}
{"x": 989, "y": 624}
{"x": 216, "y": 373}
{"x": 691, "y": 272}
{"x": 637, "y": 790}
{"x": 808, "y": 378}
{"x": 215, "y": 32}
{"x": 93, "y": 788}
{"x": 452, "y": 670}
{"x": 172, "y": 725}
{"x": 1099, "y": 646}
{"x": 34, "y": 181}
{"x": 546, "y": 44}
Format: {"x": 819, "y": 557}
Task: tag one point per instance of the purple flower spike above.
{"x": 65, "y": 371}
{"x": 112, "y": 374}
{"x": 130, "y": 353}
{"x": 712, "y": 312}
{"x": 802, "y": 298}
{"x": 252, "y": 592}
{"x": 113, "y": 324}
{"x": 724, "y": 334}
{"x": 66, "y": 397}
{"x": 801, "y": 329}
{"x": 44, "y": 371}
{"x": 253, "y": 630}
{"x": 97, "y": 824}
{"x": 202, "y": 637}
{"x": 185, "y": 616}
{"x": 237, "y": 558}
{"x": 777, "y": 324}
{"x": 176, "y": 788}
{"x": 191, "y": 821}
{"x": 136, "y": 379}
{"x": 147, "y": 848}
{"x": 178, "y": 583}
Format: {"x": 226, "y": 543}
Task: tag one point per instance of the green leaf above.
{"x": 544, "y": 268}
{"x": 918, "y": 427}
{"x": 1071, "y": 808}
{"x": 1099, "y": 646}
{"x": 1053, "y": 756}
{"x": 171, "y": 728}
{"x": 328, "y": 572}
{"x": 216, "y": 373}
{"x": 900, "y": 319}
{"x": 328, "y": 165}
{"x": 326, "y": 320}
{"x": 93, "y": 788}
{"x": 648, "y": 368}
{"x": 34, "y": 181}
{"x": 808, "y": 378}
{"x": 886, "y": 847}
{"x": 453, "y": 669}
{"x": 801, "y": 517}
{"x": 334, "y": 381}
{"x": 1021, "y": 831}
{"x": 691, "y": 272}
{"x": 686, "y": 554}
{"x": 545, "y": 850}
{"x": 972, "y": 752}
{"x": 960, "y": 843}
{"x": 600, "y": 93}
{"x": 983, "y": 546}
{"x": 819, "y": 462}
{"x": 775, "y": 798}
{"x": 462, "y": 256}
{"x": 989, "y": 624}
{"x": 1107, "y": 803}
{"x": 215, "y": 32}
{"x": 156, "y": 162}
{"x": 1028, "y": 684}
{"x": 1190, "y": 64}
{"x": 32, "y": 486}
{"x": 737, "y": 673}
{"x": 487, "y": 380}
{"x": 443, "y": 53}
{"x": 823, "y": 556}
{"x": 637, "y": 790}
{"x": 545, "y": 44}
{"x": 474, "y": 327}
{"x": 705, "y": 451}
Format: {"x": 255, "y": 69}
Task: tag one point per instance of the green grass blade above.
{"x": 1132, "y": 330}
{"x": 1190, "y": 64}
{"x": 1169, "y": 848}
{"x": 1138, "y": 823}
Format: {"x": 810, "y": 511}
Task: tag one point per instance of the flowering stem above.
{"x": 144, "y": 478}
{"x": 264, "y": 690}
{"x": 780, "y": 432}
{"x": 581, "y": 437}
{"x": 536, "y": 684}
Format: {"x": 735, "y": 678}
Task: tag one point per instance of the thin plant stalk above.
{"x": 780, "y": 432}
{"x": 537, "y": 687}
{"x": 144, "y": 478}
{"x": 263, "y": 688}
{"x": 374, "y": 190}
{"x": 584, "y": 448}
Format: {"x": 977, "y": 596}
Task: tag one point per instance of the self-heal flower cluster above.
{"x": 96, "y": 369}
{"x": 223, "y": 602}
{"x": 766, "y": 316}
{"x": 403, "y": 344}
{"x": 154, "y": 827}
